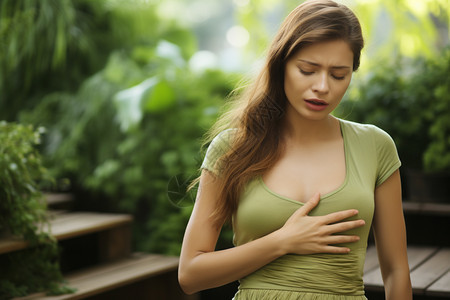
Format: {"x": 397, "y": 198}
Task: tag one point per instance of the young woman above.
{"x": 301, "y": 188}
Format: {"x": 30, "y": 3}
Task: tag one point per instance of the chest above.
{"x": 261, "y": 211}
{"x": 301, "y": 172}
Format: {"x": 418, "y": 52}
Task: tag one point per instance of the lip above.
{"x": 316, "y": 104}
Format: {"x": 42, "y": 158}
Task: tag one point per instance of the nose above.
{"x": 321, "y": 83}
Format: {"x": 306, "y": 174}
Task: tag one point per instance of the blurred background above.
{"x": 126, "y": 89}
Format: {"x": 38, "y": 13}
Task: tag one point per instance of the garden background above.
{"x": 122, "y": 92}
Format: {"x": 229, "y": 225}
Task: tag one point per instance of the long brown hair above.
{"x": 256, "y": 114}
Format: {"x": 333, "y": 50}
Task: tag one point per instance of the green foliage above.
{"x": 129, "y": 131}
{"x": 390, "y": 28}
{"x": 31, "y": 48}
{"x": 410, "y": 100}
{"x": 383, "y": 99}
{"x": 21, "y": 167}
{"x": 402, "y": 27}
{"x": 437, "y": 155}
{"x": 24, "y": 215}
{"x": 48, "y": 45}
{"x": 124, "y": 113}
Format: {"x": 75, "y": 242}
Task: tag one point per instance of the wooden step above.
{"x": 441, "y": 287}
{"x": 113, "y": 277}
{"x": 430, "y": 270}
{"x": 68, "y": 225}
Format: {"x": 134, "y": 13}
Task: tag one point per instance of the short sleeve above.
{"x": 218, "y": 147}
{"x": 388, "y": 160}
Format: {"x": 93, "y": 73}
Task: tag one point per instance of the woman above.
{"x": 301, "y": 187}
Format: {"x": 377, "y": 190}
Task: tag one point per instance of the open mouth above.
{"x": 317, "y": 102}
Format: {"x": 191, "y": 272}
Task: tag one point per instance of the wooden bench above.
{"x": 430, "y": 271}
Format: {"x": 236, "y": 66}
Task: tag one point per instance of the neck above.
{"x": 303, "y": 131}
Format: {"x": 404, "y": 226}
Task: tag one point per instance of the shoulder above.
{"x": 218, "y": 147}
{"x": 224, "y": 136}
{"x": 366, "y": 131}
{"x": 222, "y": 141}
{"x": 370, "y": 138}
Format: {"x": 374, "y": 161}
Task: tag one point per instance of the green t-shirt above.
{"x": 370, "y": 158}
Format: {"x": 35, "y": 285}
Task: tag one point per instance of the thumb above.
{"x": 310, "y": 204}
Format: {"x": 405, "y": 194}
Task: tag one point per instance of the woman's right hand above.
{"x": 303, "y": 234}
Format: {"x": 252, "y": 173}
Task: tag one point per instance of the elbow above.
{"x": 186, "y": 283}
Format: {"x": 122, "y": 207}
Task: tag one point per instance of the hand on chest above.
{"x": 301, "y": 172}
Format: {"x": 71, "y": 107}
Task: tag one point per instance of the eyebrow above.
{"x": 319, "y": 65}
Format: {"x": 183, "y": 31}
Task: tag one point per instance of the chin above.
{"x": 317, "y": 116}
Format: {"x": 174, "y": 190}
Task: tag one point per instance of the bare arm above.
{"x": 201, "y": 267}
{"x": 390, "y": 238}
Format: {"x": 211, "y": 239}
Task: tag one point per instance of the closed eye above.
{"x": 338, "y": 77}
{"x": 312, "y": 72}
{"x": 306, "y": 72}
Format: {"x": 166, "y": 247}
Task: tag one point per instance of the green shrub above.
{"x": 23, "y": 214}
{"x": 437, "y": 155}
{"x": 129, "y": 139}
{"x": 49, "y": 46}
{"x": 124, "y": 113}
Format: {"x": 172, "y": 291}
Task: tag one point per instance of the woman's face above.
{"x": 316, "y": 78}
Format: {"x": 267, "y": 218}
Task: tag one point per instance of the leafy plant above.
{"x": 384, "y": 98}
{"x": 24, "y": 215}
{"x": 410, "y": 100}
{"x": 124, "y": 112}
{"x": 49, "y": 46}
{"x": 21, "y": 167}
{"x": 437, "y": 155}
{"x": 132, "y": 138}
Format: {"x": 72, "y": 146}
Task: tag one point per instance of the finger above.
{"x": 339, "y": 216}
{"x": 344, "y": 226}
{"x": 340, "y": 239}
{"x": 334, "y": 250}
{"x": 310, "y": 204}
